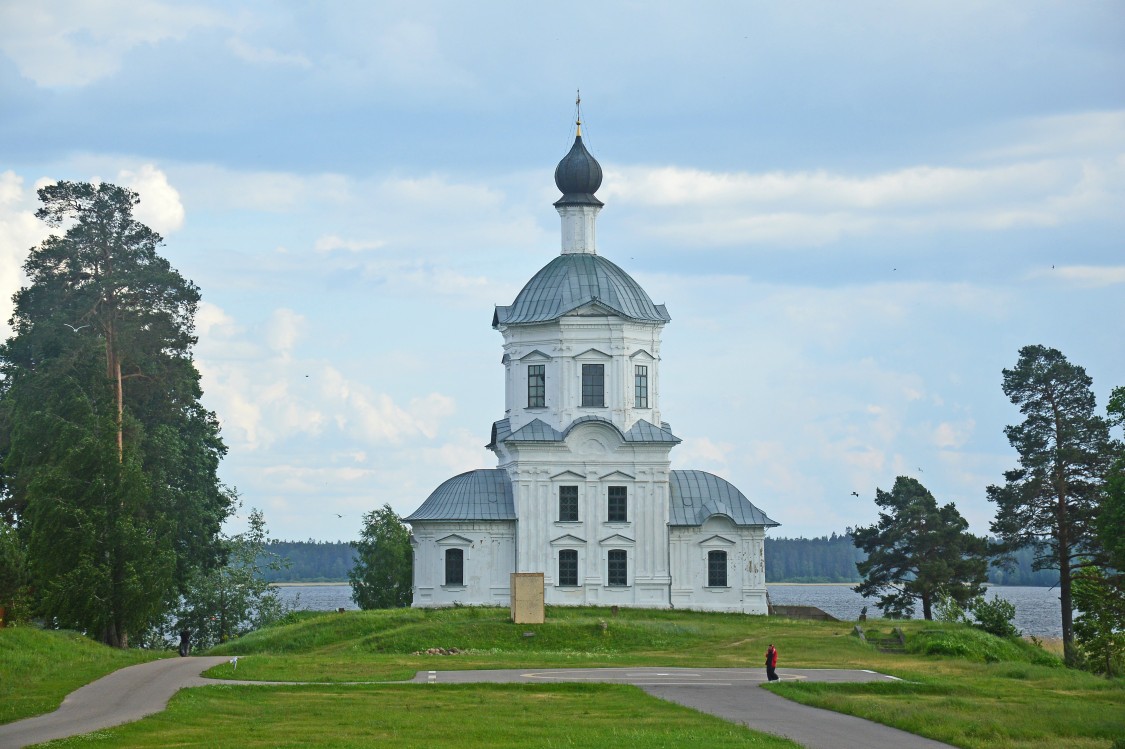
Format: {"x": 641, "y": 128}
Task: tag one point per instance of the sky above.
{"x": 856, "y": 213}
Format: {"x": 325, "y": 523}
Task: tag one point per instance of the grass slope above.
{"x": 960, "y": 685}
{"x": 497, "y": 716}
{"x": 38, "y": 668}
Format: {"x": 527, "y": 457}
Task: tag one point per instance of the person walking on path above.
{"x": 771, "y": 663}
{"x": 185, "y": 642}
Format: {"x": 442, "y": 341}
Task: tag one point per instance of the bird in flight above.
{"x": 339, "y": 515}
{"x": 74, "y": 328}
{"x": 855, "y": 494}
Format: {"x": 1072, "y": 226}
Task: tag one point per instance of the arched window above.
{"x": 618, "y": 571}
{"x": 716, "y": 569}
{"x": 568, "y": 567}
{"x": 454, "y": 566}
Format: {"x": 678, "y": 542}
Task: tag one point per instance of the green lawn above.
{"x": 500, "y": 716}
{"x": 38, "y": 668}
{"x": 961, "y": 686}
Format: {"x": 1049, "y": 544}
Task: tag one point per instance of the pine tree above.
{"x": 917, "y": 551}
{"x": 109, "y": 459}
{"x": 1050, "y": 500}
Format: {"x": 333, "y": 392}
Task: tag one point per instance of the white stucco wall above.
{"x": 746, "y": 578}
{"x": 489, "y": 558}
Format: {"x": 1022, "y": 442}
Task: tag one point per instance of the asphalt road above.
{"x": 730, "y": 693}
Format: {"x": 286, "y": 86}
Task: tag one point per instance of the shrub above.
{"x": 995, "y": 616}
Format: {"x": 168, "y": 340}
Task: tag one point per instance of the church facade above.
{"x": 584, "y": 490}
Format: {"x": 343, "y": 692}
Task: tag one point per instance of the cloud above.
{"x": 1055, "y": 177}
{"x": 19, "y": 232}
{"x": 285, "y": 329}
{"x": 330, "y": 242}
{"x": 265, "y": 55}
{"x": 160, "y": 206}
{"x": 58, "y": 43}
{"x": 1084, "y": 276}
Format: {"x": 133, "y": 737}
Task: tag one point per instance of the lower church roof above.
{"x": 483, "y": 494}
{"x": 486, "y": 494}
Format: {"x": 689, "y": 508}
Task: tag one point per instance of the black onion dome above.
{"x": 578, "y": 176}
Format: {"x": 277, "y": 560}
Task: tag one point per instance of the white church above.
{"x": 584, "y": 491}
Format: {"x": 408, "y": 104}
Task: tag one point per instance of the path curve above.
{"x": 730, "y": 693}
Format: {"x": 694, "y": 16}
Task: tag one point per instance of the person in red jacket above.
{"x": 771, "y": 663}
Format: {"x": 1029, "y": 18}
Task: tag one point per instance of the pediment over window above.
{"x": 593, "y": 353}
{"x": 642, "y": 355}
{"x": 617, "y": 540}
{"x": 568, "y": 540}
{"x": 617, "y": 476}
{"x": 718, "y": 540}
{"x": 593, "y": 309}
{"x": 568, "y": 476}
{"x": 535, "y": 355}
{"x": 455, "y": 540}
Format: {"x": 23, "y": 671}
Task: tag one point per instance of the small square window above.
{"x": 568, "y": 504}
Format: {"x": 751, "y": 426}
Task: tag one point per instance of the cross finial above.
{"x": 578, "y": 111}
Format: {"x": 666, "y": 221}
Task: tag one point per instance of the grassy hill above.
{"x": 960, "y": 685}
{"x": 40, "y": 667}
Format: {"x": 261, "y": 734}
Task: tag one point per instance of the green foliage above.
{"x": 977, "y": 645}
{"x": 827, "y": 559}
{"x": 918, "y": 551}
{"x": 311, "y": 561}
{"x": 233, "y": 599}
{"x": 13, "y": 574}
{"x": 382, "y": 577}
{"x": 1064, "y": 448}
{"x": 946, "y": 609}
{"x": 995, "y": 616}
{"x": 1100, "y": 628}
{"x": 109, "y": 461}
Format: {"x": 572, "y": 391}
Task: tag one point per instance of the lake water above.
{"x": 1038, "y": 611}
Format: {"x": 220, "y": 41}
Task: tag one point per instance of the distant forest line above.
{"x": 827, "y": 559}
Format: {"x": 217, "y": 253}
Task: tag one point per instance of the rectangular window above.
{"x": 618, "y": 572}
{"x": 568, "y": 504}
{"x": 717, "y": 569}
{"x": 536, "y": 386}
{"x": 618, "y": 510}
{"x": 640, "y": 396}
{"x": 454, "y": 567}
{"x": 593, "y": 385}
{"x": 568, "y": 567}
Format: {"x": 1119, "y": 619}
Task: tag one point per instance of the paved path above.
{"x": 731, "y": 693}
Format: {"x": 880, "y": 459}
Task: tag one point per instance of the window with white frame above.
{"x": 640, "y": 389}
{"x": 593, "y": 385}
{"x": 454, "y": 566}
{"x": 568, "y": 567}
{"x": 717, "y": 569}
{"x": 617, "y": 510}
{"x": 617, "y": 571}
{"x": 568, "y": 504}
{"x": 536, "y": 386}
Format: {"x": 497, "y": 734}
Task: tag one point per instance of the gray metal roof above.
{"x": 574, "y": 280}
{"x": 483, "y": 494}
{"x": 539, "y": 431}
{"x": 698, "y": 495}
{"x": 643, "y": 431}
